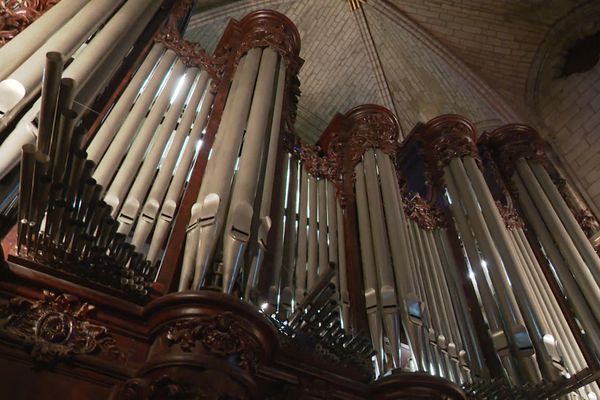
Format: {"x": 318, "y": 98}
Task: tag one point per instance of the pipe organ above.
{"x": 227, "y": 258}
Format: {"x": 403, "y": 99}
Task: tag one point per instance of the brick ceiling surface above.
{"x": 495, "y": 40}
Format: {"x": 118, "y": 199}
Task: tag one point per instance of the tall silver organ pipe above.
{"x": 302, "y": 252}
{"x": 101, "y": 21}
{"x": 22, "y": 46}
{"x": 211, "y": 205}
{"x": 563, "y": 250}
{"x": 239, "y": 217}
{"x": 530, "y": 331}
{"x": 232, "y": 221}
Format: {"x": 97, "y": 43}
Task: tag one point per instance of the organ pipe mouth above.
{"x": 11, "y": 92}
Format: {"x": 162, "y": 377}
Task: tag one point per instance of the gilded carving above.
{"x": 372, "y": 130}
{"x": 511, "y": 218}
{"x": 427, "y": 216}
{"x": 190, "y": 53}
{"x": 55, "y": 328}
{"x": 221, "y": 335}
{"x": 444, "y": 138}
{"x": 512, "y": 142}
{"x": 16, "y": 15}
{"x": 268, "y": 28}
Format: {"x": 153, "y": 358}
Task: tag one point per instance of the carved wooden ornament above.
{"x": 221, "y": 335}
{"x": 55, "y": 328}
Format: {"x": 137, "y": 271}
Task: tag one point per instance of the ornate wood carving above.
{"x": 511, "y": 142}
{"x": 372, "y": 126}
{"x": 268, "y": 28}
{"x": 426, "y": 215}
{"x": 444, "y": 138}
{"x": 190, "y": 53}
{"x": 345, "y": 140}
{"x": 220, "y": 335}
{"x": 514, "y": 141}
{"x": 55, "y": 328}
{"x": 16, "y": 15}
{"x": 511, "y": 218}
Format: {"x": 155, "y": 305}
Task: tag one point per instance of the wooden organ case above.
{"x": 171, "y": 238}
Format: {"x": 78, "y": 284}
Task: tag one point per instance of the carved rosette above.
{"x": 444, "y": 138}
{"x": 16, "y": 15}
{"x": 55, "y": 328}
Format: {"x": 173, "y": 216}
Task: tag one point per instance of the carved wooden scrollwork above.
{"x": 16, "y": 15}
{"x": 444, "y": 138}
{"x": 371, "y": 127}
{"x": 426, "y": 215}
{"x": 511, "y": 218}
{"x": 347, "y": 137}
{"x": 512, "y": 142}
{"x": 268, "y": 28}
{"x": 55, "y": 328}
{"x": 221, "y": 335}
{"x": 191, "y": 54}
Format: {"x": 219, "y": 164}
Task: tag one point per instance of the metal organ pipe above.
{"x": 583, "y": 275}
{"x": 392, "y": 206}
{"x": 466, "y": 327}
{"x": 118, "y": 147}
{"x": 343, "y": 288}
{"x": 33, "y": 37}
{"x": 65, "y": 41}
{"x": 265, "y": 218}
{"x": 216, "y": 187}
{"x": 514, "y": 267}
{"x": 157, "y": 200}
{"x": 322, "y": 211}
{"x": 191, "y": 242}
{"x": 561, "y": 208}
{"x": 290, "y": 239}
{"x": 25, "y": 80}
{"x": 86, "y": 63}
{"x": 126, "y": 173}
{"x": 105, "y": 70}
{"x": 385, "y": 274}
{"x": 368, "y": 263}
{"x": 502, "y": 339}
{"x": 587, "y": 315}
{"x": 302, "y": 237}
{"x": 143, "y": 179}
{"x": 313, "y": 250}
{"x": 239, "y": 218}
{"x": 109, "y": 128}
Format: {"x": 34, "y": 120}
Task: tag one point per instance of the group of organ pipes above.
{"x": 467, "y": 258}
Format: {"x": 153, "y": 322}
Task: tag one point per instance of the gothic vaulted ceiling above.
{"x": 418, "y": 58}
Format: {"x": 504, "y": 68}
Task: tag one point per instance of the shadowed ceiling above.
{"x": 418, "y": 58}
